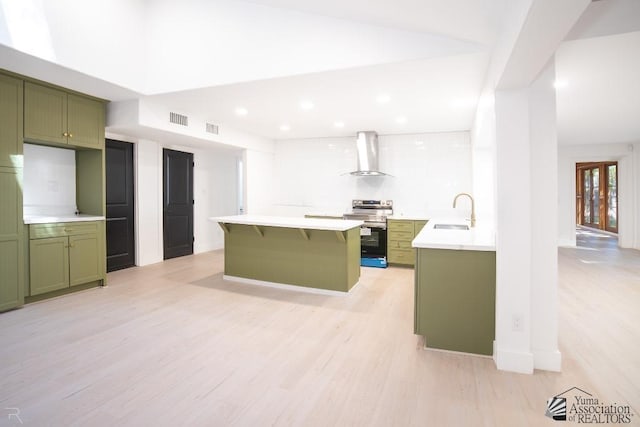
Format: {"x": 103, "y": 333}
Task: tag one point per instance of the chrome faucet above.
{"x": 473, "y": 207}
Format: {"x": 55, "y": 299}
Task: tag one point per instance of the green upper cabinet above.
{"x": 58, "y": 117}
{"x": 85, "y": 118}
{"x": 10, "y": 121}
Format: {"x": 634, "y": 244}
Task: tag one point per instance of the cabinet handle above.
{"x": 65, "y": 134}
{"x": 68, "y": 230}
{"x": 70, "y": 135}
{"x": 72, "y": 245}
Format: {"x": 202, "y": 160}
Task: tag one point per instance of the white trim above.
{"x": 512, "y": 361}
{"x": 547, "y": 360}
{"x": 288, "y": 287}
{"x": 566, "y": 243}
{"x": 463, "y": 353}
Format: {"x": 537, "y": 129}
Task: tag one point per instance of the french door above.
{"x": 597, "y": 195}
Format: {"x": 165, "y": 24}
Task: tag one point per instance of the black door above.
{"x": 120, "y": 216}
{"x": 178, "y": 203}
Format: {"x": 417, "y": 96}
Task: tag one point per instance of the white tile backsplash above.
{"x": 428, "y": 170}
{"x": 49, "y": 181}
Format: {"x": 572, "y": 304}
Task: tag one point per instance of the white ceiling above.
{"x": 472, "y": 20}
{"x": 437, "y": 94}
{"x": 598, "y": 94}
{"x": 429, "y": 56}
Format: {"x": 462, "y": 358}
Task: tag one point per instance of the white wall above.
{"x": 427, "y": 170}
{"x": 628, "y": 158}
{"x": 148, "y": 202}
{"x": 259, "y": 185}
{"x": 483, "y": 159}
{"x": 49, "y": 180}
{"x": 215, "y": 194}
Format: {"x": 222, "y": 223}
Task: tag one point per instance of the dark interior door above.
{"x": 178, "y": 203}
{"x": 120, "y": 205}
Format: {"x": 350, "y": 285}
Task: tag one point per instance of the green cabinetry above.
{"x": 11, "y": 236}
{"x": 455, "y": 295}
{"x": 58, "y": 117}
{"x": 400, "y": 234}
{"x": 64, "y": 255}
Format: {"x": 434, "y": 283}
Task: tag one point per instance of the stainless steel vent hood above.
{"x": 367, "y": 148}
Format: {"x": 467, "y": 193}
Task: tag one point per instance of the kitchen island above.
{"x": 455, "y": 285}
{"x": 319, "y": 255}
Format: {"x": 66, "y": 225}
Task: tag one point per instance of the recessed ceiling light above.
{"x": 338, "y": 124}
{"x": 383, "y": 98}
{"x": 401, "y": 120}
{"x": 285, "y": 128}
{"x": 306, "y": 105}
{"x": 559, "y": 84}
{"x": 241, "y": 111}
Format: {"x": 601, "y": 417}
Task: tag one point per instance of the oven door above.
{"x": 373, "y": 242}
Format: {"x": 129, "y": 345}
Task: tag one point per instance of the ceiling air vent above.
{"x": 179, "y": 119}
{"x": 211, "y": 128}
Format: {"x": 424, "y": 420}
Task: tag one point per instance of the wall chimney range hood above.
{"x": 367, "y": 150}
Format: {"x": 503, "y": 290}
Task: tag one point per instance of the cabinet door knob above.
{"x": 65, "y": 134}
{"x": 70, "y": 135}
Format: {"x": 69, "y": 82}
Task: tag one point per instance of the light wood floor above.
{"x": 173, "y": 344}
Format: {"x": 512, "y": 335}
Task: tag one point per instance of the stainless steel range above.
{"x": 373, "y": 233}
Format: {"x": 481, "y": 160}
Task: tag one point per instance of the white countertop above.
{"x": 479, "y": 238}
{"x": 50, "y": 219}
{"x": 290, "y": 222}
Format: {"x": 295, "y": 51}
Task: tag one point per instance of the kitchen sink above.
{"x": 451, "y": 227}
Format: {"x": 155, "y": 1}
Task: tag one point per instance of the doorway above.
{"x": 120, "y": 205}
{"x": 177, "y": 203}
{"x": 597, "y": 195}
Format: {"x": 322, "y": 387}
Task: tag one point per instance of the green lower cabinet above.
{"x": 455, "y": 297}
{"x": 48, "y": 264}
{"x": 65, "y": 255}
{"x": 11, "y": 289}
{"x": 400, "y": 234}
{"x": 84, "y": 259}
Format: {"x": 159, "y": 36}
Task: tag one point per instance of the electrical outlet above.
{"x": 516, "y": 323}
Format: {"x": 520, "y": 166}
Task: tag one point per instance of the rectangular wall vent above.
{"x": 179, "y": 119}
{"x": 211, "y": 128}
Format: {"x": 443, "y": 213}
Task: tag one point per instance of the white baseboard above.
{"x": 288, "y": 287}
{"x": 512, "y": 361}
{"x": 567, "y": 243}
{"x": 547, "y": 360}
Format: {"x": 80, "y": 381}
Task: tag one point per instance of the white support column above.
{"x": 543, "y": 148}
{"x": 512, "y": 350}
